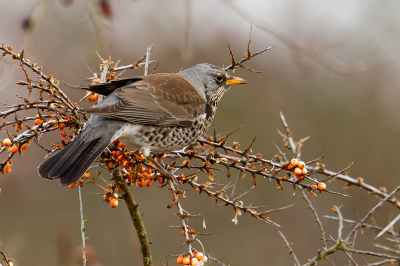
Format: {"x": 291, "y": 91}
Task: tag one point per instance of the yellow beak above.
{"x": 235, "y": 80}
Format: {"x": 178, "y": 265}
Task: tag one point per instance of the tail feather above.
{"x": 84, "y": 160}
{"x": 52, "y": 164}
{"x": 71, "y": 163}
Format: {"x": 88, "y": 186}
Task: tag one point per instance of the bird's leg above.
{"x": 159, "y": 167}
{"x": 163, "y": 171}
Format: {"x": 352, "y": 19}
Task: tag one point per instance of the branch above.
{"x": 136, "y": 217}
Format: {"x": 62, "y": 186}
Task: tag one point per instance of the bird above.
{"x": 156, "y": 113}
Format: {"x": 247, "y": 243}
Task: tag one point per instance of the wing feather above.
{"x": 159, "y": 99}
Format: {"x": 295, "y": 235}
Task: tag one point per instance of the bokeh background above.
{"x": 334, "y": 73}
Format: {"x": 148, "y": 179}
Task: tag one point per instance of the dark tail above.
{"x": 70, "y": 163}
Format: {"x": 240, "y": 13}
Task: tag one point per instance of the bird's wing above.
{"x": 159, "y": 99}
{"x": 109, "y": 87}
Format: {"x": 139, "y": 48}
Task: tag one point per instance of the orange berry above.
{"x": 160, "y": 181}
{"x": 199, "y": 255}
{"x": 14, "y": 149}
{"x": 148, "y": 183}
{"x": 195, "y": 262}
{"x": 121, "y": 145}
{"x": 183, "y": 232}
{"x": 147, "y": 176}
{"x": 62, "y": 126}
{"x": 38, "y": 121}
{"x": 95, "y": 97}
{"x": 163, "y": 156}
{"x": 148, "y": 170}
{"x": 294, "y": 162}
{"x": 141, "y": 183}
{"x": 86, "y": 175}
{"x": 301, "y": 164}
{"x": 300, "y": 177}
{"x": 7, "y": 142}
{"x": 114, "y": 202}
{"x": 321, "y": 186}
{"x": 72, "y": 185}
{"x": 297, "y": 171}
{"x": 186, "y": 260}
{"x": 63, "y": 133}
{"x": 119, "y": 191}
{"x": 179, "y": 260}
{"x": 24, "y": 147}
{"x": 304, "y": 171}
{"x": 80, "y": 183}
{"x": 7, "y": 168}
{"x": 115, "y": 141}
{"x": 91, "y": 98}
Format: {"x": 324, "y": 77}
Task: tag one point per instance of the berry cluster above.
{"x": 198, "y": 260}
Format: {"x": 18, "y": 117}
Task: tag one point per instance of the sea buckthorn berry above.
{"x": 195, "y": 262}
{"x": 186, "y": 260}
{"x": 199, "y": 255}
{"x": 147, "y": 176}
{"x": 62, "y": 126}
{"x": 7, "y": 142}
{"x": 294, "y": 162}
{"x": 14, "y": 149}
{"x": 163, "y": 156}
{"x": 160, "y": 181}
{"x": 93, "y": 98}
{"x": 63, "y": 133}
{"x": 7, "y": 169}
{"x": 179, "y": 260}
{"x": 24, "y": 147}
{"x": 86, "y": 175}
{"x": 80, "y": 183}
{"x": 300, "y": 177}
{"x": 141, "y": 183}
{"x": 38, "y": 121}
{"x": 297, "y": 171}
{"x": 114, "y": 202}
{"x": 72, "y": 185}
{"x": 148, "y": 183}
{"x": 148, "y": 170}
{"x": 304, "y": 171}
{"x": 116, "y": 141}
{"x": 321, "y": 186}
{"x": 121, "y": 145}
{"x": 205, "y": 258}
{"x": 301, "y": 164}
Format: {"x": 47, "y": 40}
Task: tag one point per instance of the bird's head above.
{"x": 213, "y": 81}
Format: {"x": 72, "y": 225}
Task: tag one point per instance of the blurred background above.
{"x": 334, "y": 73}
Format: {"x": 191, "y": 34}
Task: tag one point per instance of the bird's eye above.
{"x": 219, "y": 77}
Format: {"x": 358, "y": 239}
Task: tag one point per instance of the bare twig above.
{"x": 370, "y": 213}
{"x": 289, "y": 246}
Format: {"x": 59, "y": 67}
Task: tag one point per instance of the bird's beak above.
{"x": 235, "y": 80}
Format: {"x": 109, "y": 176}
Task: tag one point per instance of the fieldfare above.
{"x": 158, "y": 113}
